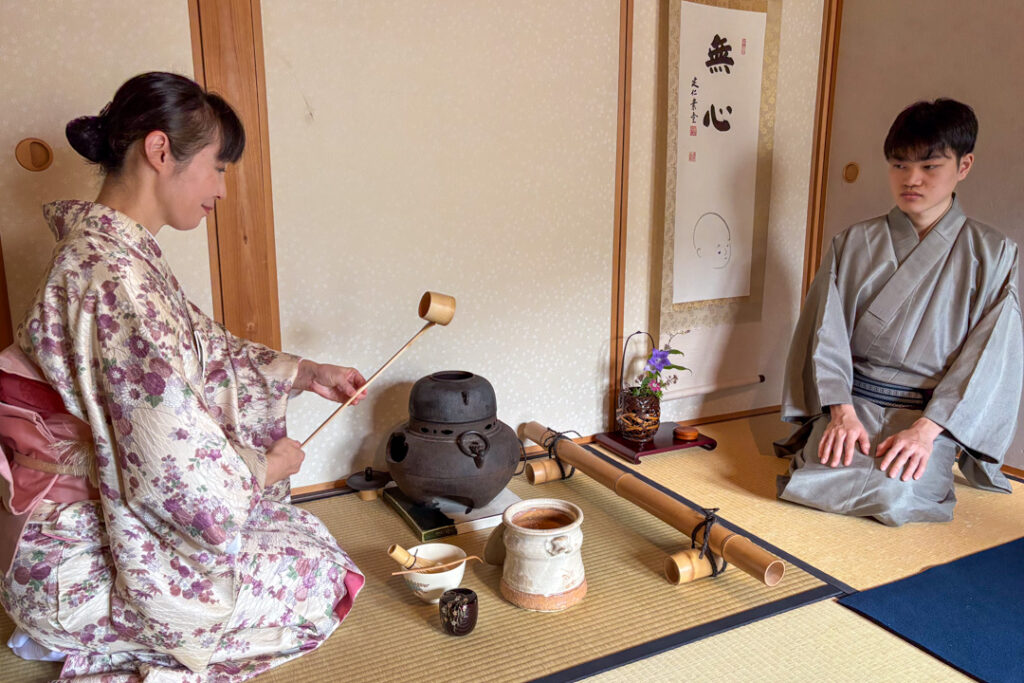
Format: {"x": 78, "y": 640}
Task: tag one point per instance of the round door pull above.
{"x": 33, "y": 154}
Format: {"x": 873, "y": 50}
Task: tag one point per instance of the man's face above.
{"x": 922, "y": 187}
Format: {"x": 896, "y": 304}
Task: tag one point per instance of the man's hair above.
{"x": 927, "y": 129}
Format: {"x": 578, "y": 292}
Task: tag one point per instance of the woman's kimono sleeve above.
{"x": 819, "y": 369}
{"x": 246, "y": 386}
{"x": 977, "y": 399}
{"x": 176, "y": 492}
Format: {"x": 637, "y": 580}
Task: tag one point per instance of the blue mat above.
{"x": 968, "y": 613}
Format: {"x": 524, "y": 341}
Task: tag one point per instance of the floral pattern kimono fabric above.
{"x": 939, "y": 314}
{"x": 187, "y": 568}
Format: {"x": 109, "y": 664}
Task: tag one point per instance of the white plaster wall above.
{"x": 59, "y": 60}
{"x": 467, "y": 148}
{"x": 721, "y": 353}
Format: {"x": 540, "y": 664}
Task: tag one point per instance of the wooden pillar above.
{"x": 227, "y": 38}
{"x": 827, "y": 61}
{"x": 621, "y": 197}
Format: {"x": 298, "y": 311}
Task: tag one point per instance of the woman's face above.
{"x": 192, "y": 189}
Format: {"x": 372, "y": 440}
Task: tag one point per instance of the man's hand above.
{"x": 284, "y": 458}
{"x": 843, "y": 433}
{"x": 908, "y": 451}
{"x": 333, "y": 382}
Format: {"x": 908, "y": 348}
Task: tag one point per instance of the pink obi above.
{"x": 47, "y": 451}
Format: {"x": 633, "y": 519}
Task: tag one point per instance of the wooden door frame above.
{"x": 831, "y": 24}
{"x": 621, "y": 204}
{"x": 227, "y": 54}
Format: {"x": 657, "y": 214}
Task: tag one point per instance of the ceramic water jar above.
{"x": 543, "y": 568}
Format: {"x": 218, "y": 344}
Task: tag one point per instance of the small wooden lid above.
{"x": 686, "y": 433}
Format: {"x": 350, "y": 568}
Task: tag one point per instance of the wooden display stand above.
{"x": 662, "y": 441}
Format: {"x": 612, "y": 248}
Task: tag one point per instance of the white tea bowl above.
{"x": 429, "y": 586}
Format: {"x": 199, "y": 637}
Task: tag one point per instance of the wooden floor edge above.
{"x": 1014, "y": 471}
{"x": 725, "y": 417}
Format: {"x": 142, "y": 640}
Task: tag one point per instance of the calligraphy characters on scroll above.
{"x": 714, "y": 207}
{"x": 718, "y": 55}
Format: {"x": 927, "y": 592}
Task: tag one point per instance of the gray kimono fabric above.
{"x": 940, "y": 313}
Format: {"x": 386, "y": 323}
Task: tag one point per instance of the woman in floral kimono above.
{"x": 145, "y": 485}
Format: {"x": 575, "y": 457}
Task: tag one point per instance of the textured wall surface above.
{"x": 467, "y": 148}
{"x": 59, "y": 60}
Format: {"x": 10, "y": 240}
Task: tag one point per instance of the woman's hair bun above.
{"x": 88, "y": 136}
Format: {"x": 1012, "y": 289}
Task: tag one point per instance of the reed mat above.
{"x": 630, "y": 610}
{"x": 968, "y": 612}
{"x": 739, "y": 478}
{"x": 814, "y": 643}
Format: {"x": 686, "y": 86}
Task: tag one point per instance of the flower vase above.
{"x": 638, "y": 417}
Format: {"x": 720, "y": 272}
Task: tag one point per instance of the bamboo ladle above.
{"x": 436, "y": 309}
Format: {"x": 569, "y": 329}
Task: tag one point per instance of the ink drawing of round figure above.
{"x": 712, "y": 240}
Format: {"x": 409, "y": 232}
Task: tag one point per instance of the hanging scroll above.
{"x": 719, "y": 102}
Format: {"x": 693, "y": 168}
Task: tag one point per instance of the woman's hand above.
{"x": 333, "y": 382}
{"x": 908, "y": 451}
{"x": 284, "y": 458}
{"x": 843, "y": 433}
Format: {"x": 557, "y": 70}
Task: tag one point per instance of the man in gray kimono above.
{"x": 908, "y": 352}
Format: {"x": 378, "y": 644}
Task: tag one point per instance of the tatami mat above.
{"x": 628, "y": 605}
{"x": 739, "y": 478}
{"x": 813, "y": 644}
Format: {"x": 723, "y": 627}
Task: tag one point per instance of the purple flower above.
{"x": 107, "y": 326}
{"x": 179, "y": 513}
{"x": 22, "y": 574}
{"x": 202, "y": 520}
{"x": 658, "y": 361}
{"x": 161, "y": 367}
{"x": 138, "y": 345}
{"x": 115, "y": 375}
{"x": 153, "y": 384}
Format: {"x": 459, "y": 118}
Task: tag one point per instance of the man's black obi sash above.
{"x": 890, "y": 395}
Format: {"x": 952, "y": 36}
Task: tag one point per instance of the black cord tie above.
{"x": 705, "y": 551}
{"x": 551, "y": 442}
{"x": 521, "y": 465}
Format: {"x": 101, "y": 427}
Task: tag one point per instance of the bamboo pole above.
{"x": 736, "y": 549}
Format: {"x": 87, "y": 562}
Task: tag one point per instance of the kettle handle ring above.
{"x": 467, "y": 449}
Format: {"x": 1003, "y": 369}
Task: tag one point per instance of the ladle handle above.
{"x": 368, "y": 382}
